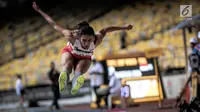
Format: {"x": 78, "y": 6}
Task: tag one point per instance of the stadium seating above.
{"x": 146, "y": 19}
{"x": 143, "y": 19}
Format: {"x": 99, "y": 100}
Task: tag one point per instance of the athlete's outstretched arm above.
{"x": 101, "y": 34}
{"x": 51, "y": 21}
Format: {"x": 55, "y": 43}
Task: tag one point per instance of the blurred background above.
{"x": 155, "y": 52}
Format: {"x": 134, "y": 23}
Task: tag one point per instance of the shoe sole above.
{"x": 79, "y": 83}
{"x": 62, "y": 80}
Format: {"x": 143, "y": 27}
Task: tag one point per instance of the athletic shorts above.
{"x": 69, "y": 49}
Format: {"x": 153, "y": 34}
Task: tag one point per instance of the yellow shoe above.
{"x": 62, "y": 81}
{"x": 77, "y": 85}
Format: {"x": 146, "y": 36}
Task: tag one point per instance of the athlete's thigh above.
{"x": 67, "y": 60}
{"x": 82, "y": 65}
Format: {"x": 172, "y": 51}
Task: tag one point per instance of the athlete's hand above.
{"x": 36, "y": 7}
{"x": 128, "y": 27}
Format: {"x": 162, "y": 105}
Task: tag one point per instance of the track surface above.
{"x": 144, "y": 107}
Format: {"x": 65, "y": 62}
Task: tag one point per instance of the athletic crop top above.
{"x": 78, "y": 50}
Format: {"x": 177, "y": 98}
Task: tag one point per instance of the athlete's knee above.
{"x": 82, "y": 68}
{"x": 66, "y": 61}
{"x": 67, "y": 68}
{"x": 67, "y": 65}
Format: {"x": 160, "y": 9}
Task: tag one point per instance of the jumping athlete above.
{"x": 77, "y": 54}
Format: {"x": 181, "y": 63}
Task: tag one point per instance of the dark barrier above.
{"x": 41, "y": 92}
{"x": 194, "y": 106}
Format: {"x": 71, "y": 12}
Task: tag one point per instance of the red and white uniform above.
{"x": 77, "y": 51}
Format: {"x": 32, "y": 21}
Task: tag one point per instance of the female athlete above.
{"x": 77, "y": 54}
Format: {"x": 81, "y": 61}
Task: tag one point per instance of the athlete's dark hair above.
{"x": 86, "y": 30}
{"x": 19, "y": 76}
{"x": 82, "y": 24}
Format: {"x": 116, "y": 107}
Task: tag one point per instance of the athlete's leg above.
{"x": 81, "y": 67}
{"x": 67, "y": 65}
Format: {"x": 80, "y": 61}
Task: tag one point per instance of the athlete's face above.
{"x": 86, "y": 40}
